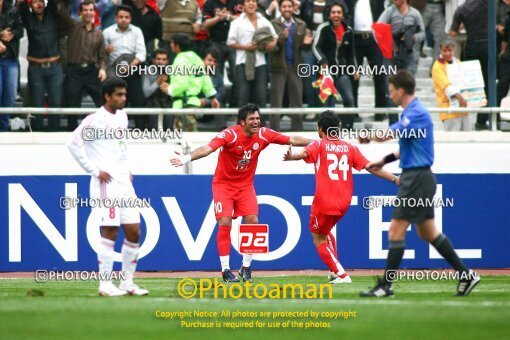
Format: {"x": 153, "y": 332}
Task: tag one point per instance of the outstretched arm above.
{"x": 289, "y": 156}
{"x": 375, "y": 168}
{"x": 201, "y": 152}
{"x": 387, "y": 159}
{"x": 383, "y": 174}
{"x": 388, "y": 135}
{"x": 299, "y": 141}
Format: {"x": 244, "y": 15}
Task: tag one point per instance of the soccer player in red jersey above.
{"x": 233, "y": 191}
{"x": 334, "y": 160}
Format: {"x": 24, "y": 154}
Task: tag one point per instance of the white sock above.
{"x": 105, "y": 259}
{"x": 225, "y": 262}
{"x": 129, "y": 260}
{"x": 247, "y": 260}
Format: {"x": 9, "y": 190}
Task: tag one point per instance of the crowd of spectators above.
{"x": 74, "y": 45}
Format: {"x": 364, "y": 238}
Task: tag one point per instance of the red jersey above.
{"x": 334, "y": 160}
{"x": 239, "y": 154}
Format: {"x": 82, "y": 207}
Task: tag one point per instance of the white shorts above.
{"x": 114, "y": 216}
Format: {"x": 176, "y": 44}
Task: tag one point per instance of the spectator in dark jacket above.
{"x": 477, "y": 45}
{"x": 86, "y": 58}
{"x": 333, "y": 47}
{"x": 308, "y": 11}
{"x": 285, "y": 59}
{"x": 363, "y": 14}
{"x": 313, "y": 13}
{"x": 146, "y": 19}
{"x": 45, "y": 73}
{"x": 11, "y": 30}
{"x": 154, "y": 97}
{"x": 211, "y": 63}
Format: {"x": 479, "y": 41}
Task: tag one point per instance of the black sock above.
{"x": 445, "y": 248}
{"x": 395, "y": 254}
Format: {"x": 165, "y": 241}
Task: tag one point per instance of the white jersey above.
{"x": 98, "y": 151}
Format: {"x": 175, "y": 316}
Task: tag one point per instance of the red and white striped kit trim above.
{"x": 330, "y": 242}
{"x": 337, "y": 264}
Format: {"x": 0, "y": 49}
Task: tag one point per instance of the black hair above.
{"x": 159, "y": 51}
{"x": 280, "y": 2}
{"x": 213, "y": 52}
{"x": 110, "y": 85}
{"x": 403, "y": 79}
{"x": 329, "y": 7}
{"x": 327, "y": 122}
{"x": 87, "y": 3}
{"x": 125, "y": 8}
{"x": 246, "y": 110}
{"x": 182, "y": 40}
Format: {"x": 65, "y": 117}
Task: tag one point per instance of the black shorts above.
{"x": 417, "y": 184}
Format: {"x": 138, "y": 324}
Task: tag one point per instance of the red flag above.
{"x": 384, "y": 38}
{"x": 326, "y": 87}
{"x": 97, "y": 19}
{"x": 153, "y": 4}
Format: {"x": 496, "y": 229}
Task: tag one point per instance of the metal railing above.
{"x": 492, "y": 111}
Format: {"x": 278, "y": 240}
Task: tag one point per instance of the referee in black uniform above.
{"x": 417, "y": 184}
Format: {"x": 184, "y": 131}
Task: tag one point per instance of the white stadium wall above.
{"x": 46, "y": 154}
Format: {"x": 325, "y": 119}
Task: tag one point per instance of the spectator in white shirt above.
{"x": 125, "y": 43}
{"x": 251, "y": 68}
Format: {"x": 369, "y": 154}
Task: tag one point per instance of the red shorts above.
{"x": 230, "y": 201}
{"x": 321, "y": 223}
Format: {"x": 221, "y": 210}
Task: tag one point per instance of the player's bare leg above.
{"x": 223, "y": 241}
{"x": 467, "y": 278}
{"x": 245, "y": 271}
{"x": 327, "y": 254}
{"x": 129, "y": 252}
{"x": 396, "y": 236}
{"x": 105, "y": 261}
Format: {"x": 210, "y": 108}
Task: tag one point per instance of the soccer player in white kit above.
{"x": 104, "y": 156}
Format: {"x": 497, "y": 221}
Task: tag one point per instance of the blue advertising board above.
{"x": 179, "y": 228}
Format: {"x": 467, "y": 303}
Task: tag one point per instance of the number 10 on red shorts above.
{"x": 253, "y": 238}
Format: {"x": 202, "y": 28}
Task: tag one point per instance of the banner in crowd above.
{"x": 468, "y": 78}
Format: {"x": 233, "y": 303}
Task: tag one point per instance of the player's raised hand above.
{"x": 180, "y": 160}
{"x": 288, "y": 155}
{"x": 176, "y": 161}
{"x": 104, "y": 177}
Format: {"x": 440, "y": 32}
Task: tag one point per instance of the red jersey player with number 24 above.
{"x": 334, "y": 160}
{"x": 233, "y": 191}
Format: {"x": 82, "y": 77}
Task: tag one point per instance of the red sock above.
{"x": 328, "y": 257}
{"x": 332, "y": 243}
{"x": 223, "y": 240}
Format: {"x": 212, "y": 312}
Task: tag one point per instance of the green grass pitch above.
{"x": 420, "y": 310}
